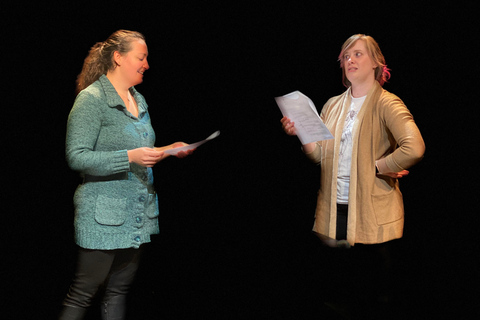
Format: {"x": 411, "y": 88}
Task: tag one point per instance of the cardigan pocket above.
{"x": 151, "y": 209}
{"x": 110, "y": 211}
{"x": 388, "y": 207}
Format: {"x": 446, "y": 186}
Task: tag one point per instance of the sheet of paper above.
{"x": 192, "y": 146}
{"x": 301, "y": 110}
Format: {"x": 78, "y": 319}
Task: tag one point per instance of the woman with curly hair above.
{"x": 110, "y": 142}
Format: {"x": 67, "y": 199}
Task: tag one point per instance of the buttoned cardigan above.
{"x": 116, "y": 205}
{"x": 384, "y": 129}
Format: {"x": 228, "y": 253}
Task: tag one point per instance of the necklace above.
{"x": 131, "y": 105}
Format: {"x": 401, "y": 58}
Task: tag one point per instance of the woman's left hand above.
{"x": 182, "y": 154}
{"x": 383, "y": 170}
{"x": 395, "y": 175}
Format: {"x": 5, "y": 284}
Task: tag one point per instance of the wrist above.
{"x": 381, "y": 166}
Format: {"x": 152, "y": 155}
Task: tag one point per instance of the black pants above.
{"x": 113, "y": 269}
{"x": 368, "y": 257}
{"x": 342, "y": 217}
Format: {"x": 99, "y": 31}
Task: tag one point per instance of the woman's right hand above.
{"x": 145, "y": 157}
{"x": 288, "y": 126}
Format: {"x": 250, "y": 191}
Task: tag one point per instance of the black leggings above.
{"x": 342, "y": 217}
{"x": 115, "y": 269}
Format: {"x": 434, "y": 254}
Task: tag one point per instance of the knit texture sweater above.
{"x": 116, "y": 205}
{"x": 385, "y": 131}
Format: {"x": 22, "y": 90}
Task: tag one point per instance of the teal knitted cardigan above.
{"x": 116, "y": 205}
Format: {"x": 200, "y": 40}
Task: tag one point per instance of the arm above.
{"x": 411, "y": 146}
{"x": 83, "y": 127}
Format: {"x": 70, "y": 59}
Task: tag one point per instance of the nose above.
{"x": 146, "y": 66}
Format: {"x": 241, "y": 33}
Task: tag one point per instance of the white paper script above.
{"x": 301, "y": 110}
{"x": 192, "y": 146}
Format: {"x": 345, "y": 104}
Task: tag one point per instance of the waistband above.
{"x": 112, "y": 177}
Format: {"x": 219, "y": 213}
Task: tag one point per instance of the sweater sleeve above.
{"x": 411, "y": 146}
{"x": 83, "y": 127}
{"x": 316, "y": 155}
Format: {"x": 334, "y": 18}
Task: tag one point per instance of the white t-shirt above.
{"x": 346, "y": 143}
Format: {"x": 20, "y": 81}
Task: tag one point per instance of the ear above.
{"x": 117, "y": 58}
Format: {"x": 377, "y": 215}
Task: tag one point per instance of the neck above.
{"x": 360, "y": 90}
{"x": 119, "y": 86}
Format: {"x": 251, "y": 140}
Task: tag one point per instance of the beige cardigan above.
{"x": 385, "y": 130}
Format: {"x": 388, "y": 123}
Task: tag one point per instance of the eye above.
{"x": 346, "y": 57}
{"x": 358, "y": 54}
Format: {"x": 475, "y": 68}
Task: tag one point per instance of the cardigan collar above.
{"x": 113, "y": 98}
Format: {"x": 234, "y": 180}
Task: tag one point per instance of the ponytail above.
{"x": 93, "y": 67}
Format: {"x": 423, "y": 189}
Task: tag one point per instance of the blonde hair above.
{"x": 382, "y": 73}
{"x": 100, "y": 57}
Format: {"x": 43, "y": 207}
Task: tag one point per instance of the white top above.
{"x": 346, "y": 143}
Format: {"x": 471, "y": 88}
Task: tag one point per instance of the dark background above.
{"x": 235, "y": 226}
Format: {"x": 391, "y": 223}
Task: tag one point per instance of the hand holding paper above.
{"x": 300, "y": 109}
{"x": 174, "y": 151}
{"x": 288, "y": 126}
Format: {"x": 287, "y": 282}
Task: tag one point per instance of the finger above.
{"x": 155, "y": 154}
{"x": 285, "y": 121}
{"x": 288, "y": 127}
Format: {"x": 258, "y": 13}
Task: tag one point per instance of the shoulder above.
{"x": 92, "y": 97}
{"x": 387, "y": 98}
{"x": 92, "y": 92}
{"x": 388, "y": 103}
{"x": 334, "y": 101}
{"x": 390, "y": 106}
{"x": 89, "y": 104}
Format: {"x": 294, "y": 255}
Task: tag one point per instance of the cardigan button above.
{"x": 137, "y": 238}
{"x": 138, "y": 219}
{"x": 141, "y": 198}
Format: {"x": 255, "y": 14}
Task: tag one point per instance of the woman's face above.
{"x": 358, "y": 65}
{"x": 134, "y": 63}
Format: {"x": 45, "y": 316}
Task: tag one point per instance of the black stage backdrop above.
{"x": 235, "y": 225}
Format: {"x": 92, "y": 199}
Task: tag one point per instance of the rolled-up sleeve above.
{"x": 316, "y": 155}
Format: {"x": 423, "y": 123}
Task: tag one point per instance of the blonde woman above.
{"x": 359, "y": 202}
{"x": 376, "y": 141}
